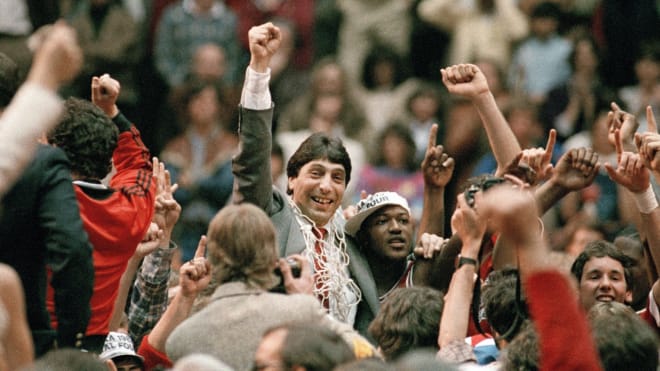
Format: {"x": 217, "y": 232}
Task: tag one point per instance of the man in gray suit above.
{"x": 308, "y": 218}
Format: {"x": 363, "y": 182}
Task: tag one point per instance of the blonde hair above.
{"x": 241, "y": 246}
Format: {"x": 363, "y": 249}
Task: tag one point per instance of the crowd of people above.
{"x": 286, "y": 194}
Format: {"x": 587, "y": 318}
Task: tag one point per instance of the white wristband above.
{"x": 646, "y": 201}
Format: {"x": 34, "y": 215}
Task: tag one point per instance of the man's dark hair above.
{"x": 601, "y": 249}
{"x": 314, "y": 347}
{"x": 503, "y": 311}
{"x": 624, "y": 341}
{"x": 408, "y": 319}
{"x": 10, "y": 79}
{"x": 316, "y": 147}
{"x": 88, "y": 137}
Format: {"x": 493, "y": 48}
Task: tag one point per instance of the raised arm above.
{"x": 468, "y": 81}
{"x": 437, "y": 168}
{"x": 550, "y": 297}
{"x": 251, "y": 166}
{"x": 149, "y": 295}
{"x": 455, "y": 316}
{"x": 194, "y": 276}
{"x": 57, "y": 61}
{"x": 575, "y": 170}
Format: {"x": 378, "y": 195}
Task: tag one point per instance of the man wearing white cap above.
{"x": 384, "y": 229}
{"x": 118, "y": 348}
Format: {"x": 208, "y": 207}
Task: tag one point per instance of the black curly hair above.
{"x": 87, "y": 136}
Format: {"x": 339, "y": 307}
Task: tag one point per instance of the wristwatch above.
{"x": 462, "y": 260}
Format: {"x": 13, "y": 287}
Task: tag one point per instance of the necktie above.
{"x": 319, "y": 264}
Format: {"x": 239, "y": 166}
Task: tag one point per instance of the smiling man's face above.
{"x": 318, "y": 189}
{"x": 603, "y": 279}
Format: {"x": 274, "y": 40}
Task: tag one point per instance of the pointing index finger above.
{"x": 433, "y": 134}
{"x": 201, "y": 247}
{"x": 651, "y": 125}
{"x": 550, "y": 146}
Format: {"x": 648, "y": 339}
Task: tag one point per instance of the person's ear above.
{"x": 629, "y": 297}
{"x": 289, "y": 186}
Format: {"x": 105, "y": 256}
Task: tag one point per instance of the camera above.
{"x": 295, "y": 271}
{"x": 480, "y": 185}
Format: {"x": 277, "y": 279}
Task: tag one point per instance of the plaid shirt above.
{"x": 457, "y": 351}
{"x": 149, "y": 296}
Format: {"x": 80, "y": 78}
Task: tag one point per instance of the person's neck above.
{"x": 386, "y": 271}
{"x": 203, "y": 128}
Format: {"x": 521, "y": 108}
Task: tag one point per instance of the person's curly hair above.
{"x": 87, "y": 136}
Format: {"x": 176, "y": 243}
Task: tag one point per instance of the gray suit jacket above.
{"x": 231, "y": 325}
{"x": 253, "y": 183}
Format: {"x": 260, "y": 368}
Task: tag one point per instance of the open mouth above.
{"x": 322, "y": 201}
{"x": 605, "y": 298}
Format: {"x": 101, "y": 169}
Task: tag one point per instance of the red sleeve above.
{"x": 133, "y": 163}
{"x": 134, "y": 179}
{"x": 152, "y": 356}
{"x": 565, "y": 341}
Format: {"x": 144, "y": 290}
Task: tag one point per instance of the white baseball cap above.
{"x": 372, "y": 204}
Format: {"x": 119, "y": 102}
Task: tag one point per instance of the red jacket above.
{"x": 116, "y": 220}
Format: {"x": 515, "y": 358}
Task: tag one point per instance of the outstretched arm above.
{"x": 194, "y": 276}
{"x": 57, "y": 60}
{"x": 467, "y": 225}
{"x": 437, "y": 168}
{"x": 550, "y": 297}
{"x": 149, "y": 296}
{"x": 468, "y": 81}
{"x": 251, "y": 166}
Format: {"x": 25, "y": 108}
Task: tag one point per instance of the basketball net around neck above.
{"x": 331, "y": 272}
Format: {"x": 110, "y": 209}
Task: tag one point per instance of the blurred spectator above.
{"x": 110, "y": 39}
{"x": 302, "y": 346}
{"x": 18, "y": 20}
{"x": 540, "y": 63}
{"x": 367, "y": 23}
{"x": 328, "y": 79}
{"x": 395, "y": 168}
{"x": 424, "y": 109}
{"x": 186, "y": 25}
{"x": 600, "y": 202}
{"x": 209, "y": 63}
{"x": 487, "y": 29}
{"x": 621, "y": 27}
{"x": 572, "y": 106}
{"x": 199, "y": 159}
{"x": 385, "y": 85}
{"x": 299, "y": 12}
{"x": 647, "y": 90}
